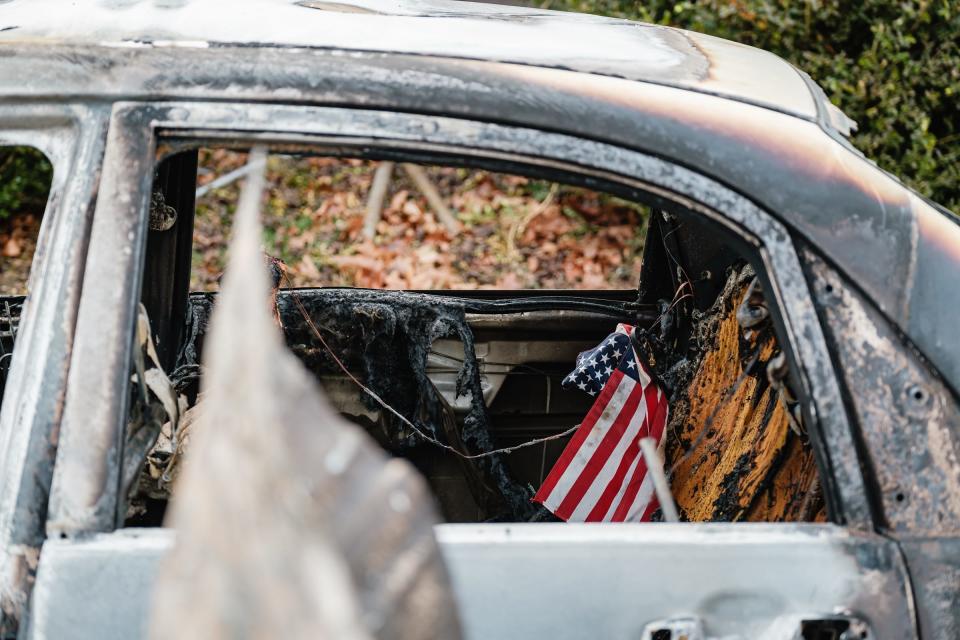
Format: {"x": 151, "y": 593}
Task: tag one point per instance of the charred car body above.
{"x": 740, "y": 156}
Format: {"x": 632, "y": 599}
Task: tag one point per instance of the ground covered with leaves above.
{"x": 515, "y": 233}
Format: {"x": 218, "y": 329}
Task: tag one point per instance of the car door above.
{"x": 651, "y": 580}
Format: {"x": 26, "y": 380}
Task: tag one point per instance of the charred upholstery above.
{"x": 732, "y": 451}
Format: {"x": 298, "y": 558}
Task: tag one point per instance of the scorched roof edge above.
{"x": 445, "y": 28}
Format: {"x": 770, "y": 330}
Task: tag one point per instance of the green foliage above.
{"x": 25, "y": 176}
{"x": 891, "y": 65}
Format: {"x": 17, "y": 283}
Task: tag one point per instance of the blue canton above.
{"x": 595, "y": 366}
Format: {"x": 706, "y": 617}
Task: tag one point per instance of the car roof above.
{"x": 447, "y": 28}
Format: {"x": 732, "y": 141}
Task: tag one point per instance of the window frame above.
{"x": 72, "y": 138}
{"x": 83, "y": 501}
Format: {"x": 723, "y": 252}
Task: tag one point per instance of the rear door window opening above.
{"x": 736, "y": 448}
{"x": 427, "y": 228}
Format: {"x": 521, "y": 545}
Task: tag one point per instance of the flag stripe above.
{"x": 579, "y": 436}
{"x": 645, "y": 496}
{"x": 651, "y": 507}
{"x": 574, "y": 480}
{"x": 613, "y": 492}
{"x": 632, "y": 492}
{"x": 596, "y": 502}
{"x": 603, "y": 464}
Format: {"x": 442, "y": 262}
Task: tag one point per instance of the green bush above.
{"x": 891, "y": 65}
{"x": 25, "y": 176}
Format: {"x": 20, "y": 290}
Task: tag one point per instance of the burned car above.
{"x": 795, "y": 302}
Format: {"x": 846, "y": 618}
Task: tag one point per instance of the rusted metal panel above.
{"x": 909, "y": 422}
{"x": 73, "y": 138}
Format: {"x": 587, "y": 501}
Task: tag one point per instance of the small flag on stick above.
{"x": 601, "y": 475}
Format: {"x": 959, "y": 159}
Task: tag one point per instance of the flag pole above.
{"x": 655, "y": 467}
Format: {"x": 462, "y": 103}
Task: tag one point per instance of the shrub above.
{"x": 891, "y": 65}
{"x": 25, "y": 176}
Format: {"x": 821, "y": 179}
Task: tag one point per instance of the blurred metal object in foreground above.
{"x": 290, "y": 522}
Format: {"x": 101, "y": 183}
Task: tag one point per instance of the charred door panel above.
{"x": 909, "y": 424}
{"x": 909, "y": 421}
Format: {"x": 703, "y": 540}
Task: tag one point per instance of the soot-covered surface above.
{"x": 384, "y": 337}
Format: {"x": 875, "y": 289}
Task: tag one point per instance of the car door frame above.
{"x": 72, "y": 137}
{"x": 85, "y": 485}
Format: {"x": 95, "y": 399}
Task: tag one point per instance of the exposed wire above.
{"x": 672, "y": 257}
{"x": 672, "y": 306}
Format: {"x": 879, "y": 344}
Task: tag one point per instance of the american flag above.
{"x": 601, "y": 475}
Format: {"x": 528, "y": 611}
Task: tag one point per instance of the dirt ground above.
{"x": 516, "y": 233}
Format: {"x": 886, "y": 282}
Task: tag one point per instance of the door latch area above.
{"x": 827, "y": 628}
{"x": 835, "y": 628}
{"x": 674, "y": 629}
